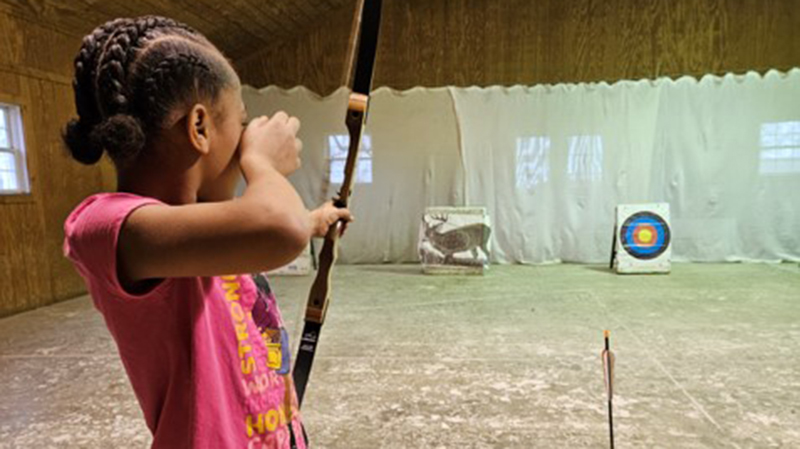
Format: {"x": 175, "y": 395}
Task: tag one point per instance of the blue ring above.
{"x": 643, "y": 219}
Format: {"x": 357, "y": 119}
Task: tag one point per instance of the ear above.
{"x": 197, "y": 127}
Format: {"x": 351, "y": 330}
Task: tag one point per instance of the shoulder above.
{"x": 103, "y": 206}
{"x": 92, "y": 229}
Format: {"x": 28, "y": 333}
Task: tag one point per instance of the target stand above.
{"x": 642, "y": 239}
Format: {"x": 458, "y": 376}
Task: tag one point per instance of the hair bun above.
{"x": 82, "y": 148}
{"x": 121, "y": 135}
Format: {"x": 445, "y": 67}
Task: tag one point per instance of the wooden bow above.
{"x": 358, "y": 76}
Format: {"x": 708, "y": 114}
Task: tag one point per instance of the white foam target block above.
{"x": 455, "y": 240}
{"x": 643, "y": 239}
{"x": 298, "y": 267}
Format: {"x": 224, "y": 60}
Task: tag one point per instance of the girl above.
{"x": 204, "y": 349}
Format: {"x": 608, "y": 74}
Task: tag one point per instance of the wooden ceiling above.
{"x": 238, "y": 27}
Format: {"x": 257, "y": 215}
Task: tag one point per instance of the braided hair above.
{"x": 130, "y": 74}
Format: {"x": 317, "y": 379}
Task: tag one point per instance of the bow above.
{"x": 358, "y": 76}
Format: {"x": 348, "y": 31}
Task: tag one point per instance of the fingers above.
{"x": 281, "y": 117}
{"x": 273, "y": 140}
{"x": 257, "y": 122}
{"x": 347, "y": 219}
{"x": 329, "y": 215}
{"x": 344, "y": 214}
{"x": 294, "y": 124}
{"x": 337, "y": 213}
{"x": 298, "y": 144}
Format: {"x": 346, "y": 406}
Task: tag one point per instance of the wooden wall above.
{"x": 506, "y": 42}
{"x": 423, "y": 42}
{"x": 35, "y": 71}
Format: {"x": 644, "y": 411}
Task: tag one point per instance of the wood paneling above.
{"x": 488, "y": 42}
{"x": 35, "y": 64}
{"x": 293, "y": 42}
{"x": 238, "y": 27}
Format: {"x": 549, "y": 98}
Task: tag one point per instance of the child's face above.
{"x": 220, "y": 184}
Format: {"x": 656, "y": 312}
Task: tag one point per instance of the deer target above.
{"x": 470, "y": 238}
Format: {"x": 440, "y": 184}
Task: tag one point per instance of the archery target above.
{"x": 455, "y": 240}
{"x": 642, "y": 239}
{"x": 645, "y": 235}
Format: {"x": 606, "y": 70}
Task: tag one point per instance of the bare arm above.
{"x": 265, "y": 228}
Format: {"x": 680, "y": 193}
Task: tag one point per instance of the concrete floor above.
{"x": 707, "y": 357}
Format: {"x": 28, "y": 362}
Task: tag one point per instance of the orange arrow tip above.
{"x": 606, "y": 333}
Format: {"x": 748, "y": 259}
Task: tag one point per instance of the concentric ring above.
{"x": 645, "y": 235}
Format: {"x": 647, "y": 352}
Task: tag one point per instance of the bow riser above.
{"x": 319, "y": 297}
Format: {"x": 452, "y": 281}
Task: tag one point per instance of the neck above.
{"x": 174, "y": 187}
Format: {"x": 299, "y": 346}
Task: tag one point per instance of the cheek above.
{"x": 228, "y": 172}
{"x": 232, "y": 143}
{"x": 232, "y": 171}
{"x": 227, "y": 158}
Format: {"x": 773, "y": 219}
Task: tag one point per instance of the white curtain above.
{"x": 551, "y": 162}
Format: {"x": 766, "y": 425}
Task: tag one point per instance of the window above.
{"x": 780, "y": 148}
{"x": 533, "y": 165}
{"x": 13, "y": 169}
{"x": 585, "y": 158}
{"x": 338, "y": 144}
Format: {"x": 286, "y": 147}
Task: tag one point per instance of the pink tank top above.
{"x": 208, "y": 357}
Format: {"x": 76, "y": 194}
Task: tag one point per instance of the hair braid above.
{"x": 119, "y": 131}
{"x": 119, "y": 55}
{"x": 170, "y": 71}
{"x": 76, "y": 134}
{"x": 126, "y": 83}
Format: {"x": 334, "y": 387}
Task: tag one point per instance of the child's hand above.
{"x": 271, "y": 141}
{"x": 325, "y": 216}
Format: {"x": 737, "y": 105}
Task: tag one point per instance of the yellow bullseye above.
{"x": 645, "y": 236}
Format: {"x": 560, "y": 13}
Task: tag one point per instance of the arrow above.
{"x": 608, "y": 377}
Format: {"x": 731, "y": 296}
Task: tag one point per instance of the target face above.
{"x": 645, "y": 235}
